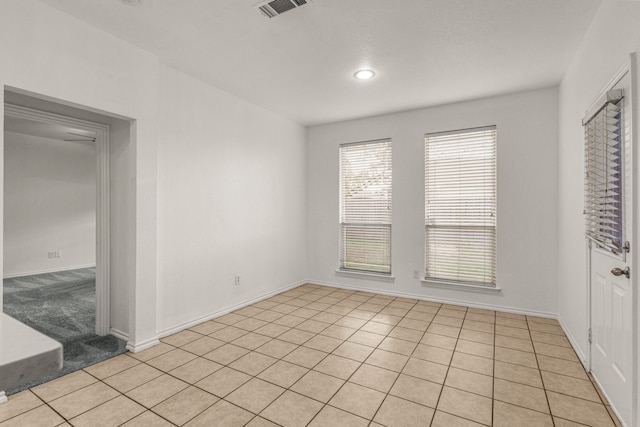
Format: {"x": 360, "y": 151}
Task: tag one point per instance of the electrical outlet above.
{"x": 237, "y": 280}
{"x": 416, "y": 274}
{"x": 54, "y": 254}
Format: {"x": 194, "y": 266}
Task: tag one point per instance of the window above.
{"x": 460, "y": 206}
{"x": 603, "y": 178}
{"x": 365, "y": 207}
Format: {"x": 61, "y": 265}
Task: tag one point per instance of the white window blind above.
{"x": 603, "y": 178}
{"x": 460, "y": 206}
{"x": 365, "y": 206}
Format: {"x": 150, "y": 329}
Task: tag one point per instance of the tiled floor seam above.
{"x": 66, "y": 394}
{"x": 392, "y": 385}
{"x": 282, "y": 358}
{"x": 493, "y": 380}
{"x": 347, "y": 380}
{"x": 445, "y": 376}
{"x": 387, "y": 394}
{"x": 139, "y": 403}
{"x": 546, "y": 393}
{"x": 604, "y": 403}
{"x": 68, "y": 420}
{"x": 567, "y": 419}
{"x": 325, "y": 404}
{"x": 31, "y": 409}
{"x": 140, "y": 385}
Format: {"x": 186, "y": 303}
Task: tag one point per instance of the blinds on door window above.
{"x": 604, "y": 179}
{"x": 365, "y": 206}
{"x": 460, "y": 206}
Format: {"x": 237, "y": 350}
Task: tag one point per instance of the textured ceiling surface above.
{"x": 301, "y": 64}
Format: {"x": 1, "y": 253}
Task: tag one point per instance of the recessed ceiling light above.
{"x": 131, "y": 2}
{"x": 364, "y": 74}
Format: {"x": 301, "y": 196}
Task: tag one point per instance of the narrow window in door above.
{"x": 603, "y": 179}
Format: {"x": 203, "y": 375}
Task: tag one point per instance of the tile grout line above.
{"x": 466, "y": 370}
{"x": 82, "y": 388}
{"x": 493, "y": 379}
{"x": 347, "y": 380}
{"x": 387, "y": 394}
{"x": 309, "y": 369}
{"x": 399, "y": 373}
{"x": 361, "y": 363}
{"x": 546, "y": 394}
{"x": 448, "y": 368}
{"x": 133, "y": 400}
{"x": 371, "y": 319}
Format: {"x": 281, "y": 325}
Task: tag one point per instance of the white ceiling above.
{"x": 301, "y": 64}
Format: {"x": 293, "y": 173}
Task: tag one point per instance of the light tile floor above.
{"x": 318, "y": 356}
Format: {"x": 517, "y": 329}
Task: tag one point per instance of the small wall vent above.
{"x": 274, "y": 8}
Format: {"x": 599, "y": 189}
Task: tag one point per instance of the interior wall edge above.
{"x": 452, "y": 301}
{"x": 573, "y": 341}
{"x": 212, "y": 316}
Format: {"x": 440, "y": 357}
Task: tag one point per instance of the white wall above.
{"x": 612, "y": 36}
{"x": 527, "y": 197}
{"x": 50, "y": 53}
{"x": 50, "y": 204}
{"x": 231, "y": 200}
{"x": 228, "y": 197}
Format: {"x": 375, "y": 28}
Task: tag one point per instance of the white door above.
{"x": 611, "y": 291}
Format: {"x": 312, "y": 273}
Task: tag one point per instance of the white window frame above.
{"x": 365, "y": 227}
{"x": 462, "y": 249}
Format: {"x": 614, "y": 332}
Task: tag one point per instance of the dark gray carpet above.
{"x": 61, "y": 305}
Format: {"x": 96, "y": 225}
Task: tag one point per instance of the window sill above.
{"x": 461, "y": 286}
{"x": 364, "y": 275}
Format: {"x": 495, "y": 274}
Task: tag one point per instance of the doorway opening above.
{"x": 56, "y": 233}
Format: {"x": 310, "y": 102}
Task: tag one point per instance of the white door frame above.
{"x": 632, "y": 261}
{"x": 103, "y": 295}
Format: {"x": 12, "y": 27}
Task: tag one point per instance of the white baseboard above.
{"x": 506, "y": 309}
{"x": 574, "y": 343}
{"x": 119, "y": 334}
{"x": 226, "y": 310}
{"x": 138, "y": 347}
{"x": 51, "y": 270}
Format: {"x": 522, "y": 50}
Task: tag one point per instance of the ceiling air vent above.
{"x": 278, "y": 7}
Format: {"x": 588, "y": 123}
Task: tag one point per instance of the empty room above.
{"x": 320, "y": 213}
